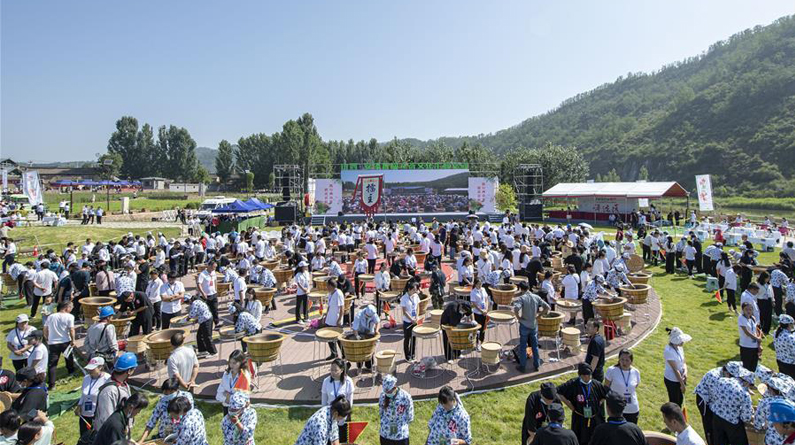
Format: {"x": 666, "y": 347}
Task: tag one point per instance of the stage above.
{"x": 302, "y": 368}
{"x": 395, "y": 217}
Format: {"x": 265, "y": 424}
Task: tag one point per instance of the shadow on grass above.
{"x": 720, "y": 316}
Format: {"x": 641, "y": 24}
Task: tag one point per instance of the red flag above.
{"x": 355, "y": 429}
{"x": 243, "y": 382}
{"x": 717, "y": 296}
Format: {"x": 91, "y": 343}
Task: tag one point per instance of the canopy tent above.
{"x": 632, "y": 190}
{"x": 236, "y": 207}
{"x": 257, "y": 204}
{"x": 89, "y": 182}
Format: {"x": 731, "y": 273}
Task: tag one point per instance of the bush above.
{"x": 192, "y": 205}
{"x": 165, "y": 195}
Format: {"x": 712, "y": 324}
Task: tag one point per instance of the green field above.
{"x": 496, "y": 416}
{"x": 56, "y": 238}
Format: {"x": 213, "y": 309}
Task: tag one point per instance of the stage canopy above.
{"x": 630, "y": 190}
{"x": 236, "y": 207}
{"x": 257, "y": 204}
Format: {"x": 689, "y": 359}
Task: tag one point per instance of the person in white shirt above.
{"x": 623, "y": 378}
{"x": 92, "y": 382}
{"x": 17, "y": 343}
{"x": 183, "y": 363}
{"x": 44, "y": 281}
{"x": 59, "y": 331}
{"x": 334, "y": 313}
{"x": 750, "y": 337}
{"x": 372, "y": 256}
{"x": 239, "y": 286}
{"x": 153, "y": 294}
{"x": 675, "y": 422}
{"x": 318, "y": 262}
{"x": 38, "y": 353}
{"x": 690, "y": 257}
{"x": 481, "y": 304}
{"x": 730, "y": 286}
{"x": 303, "y": 282}
{"x": 253, "y": 306}
{"x": 236, "y": 377}
{"x": 409, "y": 304}
{"x": 675, "y": 374}
{"x": 172, "y": 293}
{"x": 571, "y": 289}
{"x": 360, "y": 267}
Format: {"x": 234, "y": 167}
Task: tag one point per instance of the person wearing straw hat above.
{"x": 239, "y": 424}
{"x": 396, "y": 411}
{"x": 675, "y": 375}
{"x": 777, "y": 388}
{"x": 784, "y": 344}
{"x": 732, "y": 408}
{"x": 92, "y": 382}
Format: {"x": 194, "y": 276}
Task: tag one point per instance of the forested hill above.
{"x": 729, "y": 112}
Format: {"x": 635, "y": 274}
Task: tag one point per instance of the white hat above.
{"x": 677, "y": 337}
{"x": 22, "y": 318}
{"x": 95, "y": 363}
{"x": 302, "y": 264}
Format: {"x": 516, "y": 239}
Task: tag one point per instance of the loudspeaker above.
{"x": 531, "y": 212}
{"x": 286, "y": 213}
{"x": 286, "y": 193}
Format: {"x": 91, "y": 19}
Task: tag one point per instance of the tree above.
{"x": 109, "y": 165}
{"x": 257, "y": 153}
{"x": 202, "y": 176}
{"x": 506, "y": 198}
{"x": 559, "y": 164}
{"x": 180, "y": 152}
{"x": 224, "y": 161}
{"x": 611, "y": 176}
{"x": 135, "y": 147}
{"x": 249, "y": 181}
{"x": 643, "y": 174}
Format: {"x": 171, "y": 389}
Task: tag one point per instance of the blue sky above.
{"x": 364, "y": 69}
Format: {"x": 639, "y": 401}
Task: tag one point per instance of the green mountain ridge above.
{"x": 729, "y": 112}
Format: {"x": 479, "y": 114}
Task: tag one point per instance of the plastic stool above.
{"x": 712, "y": 284}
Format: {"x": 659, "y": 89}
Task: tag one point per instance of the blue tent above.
{"x": 257, "y": 204}
{"x": 236, "y": 207}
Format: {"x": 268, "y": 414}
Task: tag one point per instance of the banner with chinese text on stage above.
{"x": 328, "y": 197}
{"x": 31, "y": 186}
{"x": 483, "y": 194}
{"x": 369, "y": 189}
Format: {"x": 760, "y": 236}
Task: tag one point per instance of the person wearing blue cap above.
{"x": 115, "y": 389}
{"x": 782, "y": 416}
{"x": 396, "y": 409}
{"x": 101, "y": 337}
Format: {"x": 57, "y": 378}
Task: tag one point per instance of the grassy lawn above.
{"x": 56, "y": 238}
{"x": 496, "y": 416}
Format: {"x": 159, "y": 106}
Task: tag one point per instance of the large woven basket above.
{"x": 159, "y": 343}
{"x": 91, "y": 306}
{"x": 359, "y": 350}
{"x": 265, "y": 295}
{"x": 119, "y": 324}
{"x": 264, "y": 348}
{"x": 136, "y": 344}
{"x": 503, "y": 294}
{"x": 398, "y": 284}
{"x": 611, "y": 309}
{"x": 639, "y": 277}
{"x": 224, "y": 287}
{"x": 272, "y": 265}
{"x": 462, "y": 337}
{"x": 635, "y": 263}
{"x": 320, "y": 282}
{"x": 549, "y": 324}
{"x": 637, "y": 294}
{"x": 754, "y": 437}
{"x": 283, "y": 276}
{"x": 385, "y": 361}
{"x": 425, "y": 302}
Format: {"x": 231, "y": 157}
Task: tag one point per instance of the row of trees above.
{"x": 135, "y": 153}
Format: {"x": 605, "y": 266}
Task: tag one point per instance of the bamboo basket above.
{"x": 425, "y": 302}
{"x": 518, "y": 279}
{"x": 272, "y": 265}
{"x": 91, "y": 305}
{"x": 436, "y": 316}
{"x": 319, "y": 273}
{"x": 420, "y": 256}
{"x": 611, "y": 309}
{"x": 635, "y": 263}
{"x": 264, "y": 348}
{"x": 358, "y": 350}
{"x": 570, "y": 337}
{"x": 328, "y": 334}
{"x": 655, "y": 438}
{"x": 385, "y": 361}
{"x": 503, "y": 294}
{"x": 200, "y": 267}
{"x": 490, "y": 352}
{"x": 9, "y": 284}
{"x": 639, "y": 277}
{"x": 637, "y": 294}
{"x": 320, "y": 282}
{"x": 119, "y": 324}
{"x": 136, "y": 344}
{"x": 283, "y": 276}
{"x": 398, "y": 284}
{"x": 159, "y": 343}
{"x": 549, "y": 324}
{"x": 502, "y": 317}
{"x": 224, "y": 288}
{"x": 265, "y": 295}
{"x": 462, "y": 292}
{"x": 462, "y": 337}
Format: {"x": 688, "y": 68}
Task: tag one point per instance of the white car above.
{"x": 208, "y": 205}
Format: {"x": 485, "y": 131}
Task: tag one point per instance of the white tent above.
{"x": 630, "y": 190}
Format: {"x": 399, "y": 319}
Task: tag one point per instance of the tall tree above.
{"x": 109, "y": 165}
{"x": 256, "y": 153}
{"x": 643, "y": 174}
{"x": 154, "y": 159}
{"x": 124, "y": 142}
{"x": 224, "y": 161}
{"x": 180, "y": 151}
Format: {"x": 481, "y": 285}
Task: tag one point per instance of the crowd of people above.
{"x": 144, "y": 272}
{"x": 414, "y": 203}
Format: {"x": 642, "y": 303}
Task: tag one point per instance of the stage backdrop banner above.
{"x": 704, "y": 187}
{"x": 32, "y": 187}
{"x": 328, "y": 197}
{"x": 483, "y": 194}
{"x": 607, "y": 205}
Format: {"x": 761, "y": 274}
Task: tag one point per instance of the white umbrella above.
{"x": 586, "y": 225}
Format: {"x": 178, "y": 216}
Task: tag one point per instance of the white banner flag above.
{"x": 704, "y": 190}
{"x": 32, "y": 187}
{"x": 5, "y": 180}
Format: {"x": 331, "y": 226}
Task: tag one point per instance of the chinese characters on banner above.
{"x": 704, "y": 190}
{"x": 483, "y": 195}
{"x": 369, "y": 189}
{"x": 32, "y": 187}
{"x": 328, "y": 196}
